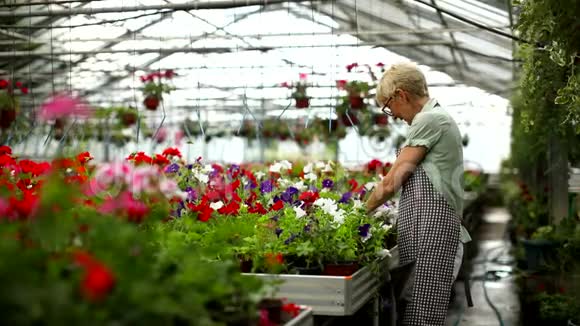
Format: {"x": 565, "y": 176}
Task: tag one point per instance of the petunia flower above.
{"x": 62, "y": 106}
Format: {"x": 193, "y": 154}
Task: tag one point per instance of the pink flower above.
{"x": 303, "y": 76}
{"x": 161, "y": 135}
{"x": 179, "y": 137}
{"x": 63, "y": 105}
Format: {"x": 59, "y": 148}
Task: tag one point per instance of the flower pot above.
{"x": 7, "y": 117}
{"x": 539, "y": 253}
{"x": 128, "y": 118}
{"x": 341, "y": 269}
{"x": 353, "y": 121}
{"x": 246, "y": 265}
{"x": 274, "y": 309}
{"x": 151, "y": 102}
{"x": 356, "y": 102}
{"x": 381, "y": 119}
{"x": 302, "y": 103}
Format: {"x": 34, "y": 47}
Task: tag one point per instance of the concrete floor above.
{"x": 490, "y": 271}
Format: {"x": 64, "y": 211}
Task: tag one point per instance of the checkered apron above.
{"x": 428, "y": 233}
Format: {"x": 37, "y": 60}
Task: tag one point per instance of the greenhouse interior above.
{"x": 275, "y": 162}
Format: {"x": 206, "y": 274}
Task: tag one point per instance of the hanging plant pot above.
{"x": 341, "y": 269}
{"x": 356, "y": 102}
{"x": 353, "y": 121}
{"x": 151, "y": 102}
{"x": 7, "y": 117}
{"x": 302, "y": 103}
{"x": 128, "y": 118}
{"x": 267, "y": 134}
{"x": 381, "y": 119}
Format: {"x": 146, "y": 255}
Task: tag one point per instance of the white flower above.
{"x": 310, "y": 176}
{"x": 387, "y": 227}
{"x": 357, "y": 203}
{"x": 201, "y": 177}
{"x": 324, "y": 190}
{"x": 259, "y": 175}
{"x": 299, "y": 212}
{"x": 307, "y": 168}
{"x": 327, "y": 168}
{"x": 207, "y": 168}
{"x": 128, "y": 132}
{"x": 320, "y": 165}
{"x": 286, "y": 165}
{"x": 217, "y": 205}
{"x": 370, "y": 185}
{"x": 276, "y": 167}
{"x": 69, "y": 170}
{"x": 284, "y": 182}
{"x": 300, "y": 186}
{"x": 338, "y": 216}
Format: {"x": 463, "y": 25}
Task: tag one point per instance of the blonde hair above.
{"x": 405, "y": 76}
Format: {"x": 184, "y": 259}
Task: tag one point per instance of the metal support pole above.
{"x": 22, "y": 54}
{"x": 192, "y": 5}
{"x": 559, "y": 177}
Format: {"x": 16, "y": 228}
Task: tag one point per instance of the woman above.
{"x": 429, "y": 168}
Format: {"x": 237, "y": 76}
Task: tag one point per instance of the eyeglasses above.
{"x": 386, "y": 110}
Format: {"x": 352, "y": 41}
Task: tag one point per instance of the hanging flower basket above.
{"x": 7, "y": 117}
{"x": 151, "y": 102}
{"x": 155, "y": 88}
{"x": 9, "y": 102}
{"x": 356, "y": 102}
{"x": 381, "y": 120}
{"x": 353, "y": 121}
{"x": 302, "y": 103}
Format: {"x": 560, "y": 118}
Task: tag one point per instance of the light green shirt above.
{"x": 436, "y": 130}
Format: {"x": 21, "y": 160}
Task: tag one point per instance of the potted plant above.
{"x": 9, "y": 104}
{"x": 299, "y": 94}
{"x": 127, "y": 116}
{"x": 154, "y": 88}
{"x": 356, "y": 91}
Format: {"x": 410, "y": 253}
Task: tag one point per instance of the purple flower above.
{"x": 286, "y": 197}
{"x": 313, "y": 189}
{"x": 172, "y": 168}
{"x": 307, "y": 228}
{"x": 327, "y": 183}
{"x": 290, "y": 239}
{"x": 274, "y": 218}
{"x": 292, "y": 190}
{"x": 363, "y": 230}
{"x": 266, "y": 186}
{"x": 345, "y": 197}
{"x": 298, "y": 203}
{"x": 189, "y": 166}
{"x": 362, "y": 194}
{"x": 278, "y": 232}
{"x": 250, "y": 185}
{"x": 191, "y": 194}
{"x": 276, "y": 199}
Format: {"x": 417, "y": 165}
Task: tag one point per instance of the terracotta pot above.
{"x": 7, "y": 117}
{"x": 381, "y": 119}
{"x": 246, "y": 265}
{"x": 347, "y": 122}
{"x": 341, "y": 269}
{"x": 274, "y": 309}
{"x": 302, "y": 103}
{"x": 129, "y": 118}
{"x": 151, "y": 102}
{"x": 356, "y": 102}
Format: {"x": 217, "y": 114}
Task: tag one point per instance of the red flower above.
{"x": 302, "y": 76}
{"x": 24, "y": 90}
{"x": 258, "y": 209}
{"x": 25, "y": 207}
{"x": 354, "y": 187}
{"x": 171, "y": 152}
{"x": 83, "y": 258}
{"x": 374, "y": 165}
{"x": 62, "y": 163}
{"x": 230, "y": 209}
{"x": 291, "y": 309}
{"x": 380, "y": 64}
{"x": 18, "y": 84}
{"x": 218, "y": 168}
{"x": 5, "y": 150}
{"x": 274, "y": 259}
{"x": 203, "y": 211}
{"x": 7, "y": 161}
{"x": 98, "y": 281}
{"x": 277, "y": 206}
{"x": 309, "y": 196}
{"x": 161, "y": 160}
{"x": 169, "y": 73}
{"x": 84, "y": 157}
{"x": 140, "y": 158}
{"x": 3, "y": 83}
{"x": 351, "y": 66}
{"x": 341, "y": 84}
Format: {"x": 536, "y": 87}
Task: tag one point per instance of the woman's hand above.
{"x": 401, "y": 170}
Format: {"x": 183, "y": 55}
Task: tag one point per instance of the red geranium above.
{"x": 374, "y": 165}
{"x": 230, "y": 209}
{"x": 291, "y": 309}
{"x": 277, "y": 206}
{"x": 309, "y": 196}
{"x": 257, "y": 209}
{"x": 161, "y": 160}
{"x": 5, "y": 150}
{"x": 98, "y": 281}
{"x": 172, "y": 151}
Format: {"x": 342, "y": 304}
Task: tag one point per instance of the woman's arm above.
{"x": 401, "y": 170}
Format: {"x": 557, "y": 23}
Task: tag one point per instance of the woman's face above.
{"x": 398, "y": 104}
